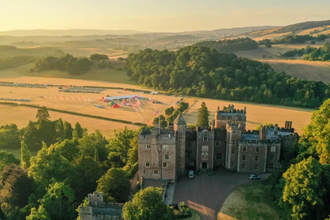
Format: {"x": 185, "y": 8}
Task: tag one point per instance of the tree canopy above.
{"x": 203, "y": 116}
{"x": 204, "y": 72}
{"x": 147, "y": 204}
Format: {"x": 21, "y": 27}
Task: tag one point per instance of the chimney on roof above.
{"x": 276, "y": 130}
{"x": 263, "y": 133}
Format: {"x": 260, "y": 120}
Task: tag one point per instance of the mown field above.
{"x": 249, "y": 202}
{"x": 310, "y": 70}
{"x": 256, "y": 114}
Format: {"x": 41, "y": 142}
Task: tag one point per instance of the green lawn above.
{"x": 195, "y": 215}
{"x": 247, "y": 202}
{"x": 117, "y": 74}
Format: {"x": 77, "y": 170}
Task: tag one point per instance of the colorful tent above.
{"x": 115, "y": 106}
{"x": 112, "y": 103}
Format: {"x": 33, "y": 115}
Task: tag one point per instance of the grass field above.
{"x": 114, "y": 75}
{"x": 41, "y": 51}
{"x": 310, "y": 70}
{"x": 249, "y": 202}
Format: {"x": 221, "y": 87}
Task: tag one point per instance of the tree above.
{"x": 88, "y": 144}
{"x": 60, "y": 129}
{"x": 38, "y": 214}
{"x": 25, "y": 156}
{"x": 58, "y": 201}
{"x": 121, "y": 144}
{"x": 115, "y": 184}
{"x": 31, "y": 137}
{"x": 49, "y": 164}
{"x": 68, "y": 149}
{"x": 46, "y": 131}
{"x": 169, "y": 111}
{"x": 147, "y": 204}
{"x": 7, "y": 158}
{"x": 42, "y": 113}
{"x": 203, "y": 116}
{"x": 79, "y": 130}
{"x": 16, "y": 187}
{"x": 86, "y": 172}
{"x": 10, "y": 137}
{"x": 303, "y": 189}
{"x": 67, "y": 130}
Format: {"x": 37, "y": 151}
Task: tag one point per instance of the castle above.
{"x": 97, "y": 209}
{"x": 168, "y": 153}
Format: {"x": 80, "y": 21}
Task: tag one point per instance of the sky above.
{"x": 157, "y": 15}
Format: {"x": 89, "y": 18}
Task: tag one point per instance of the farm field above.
{"x": 310, "y": 70}
{"x": 256, "y": 114}
{"x": 21, "y": 115}
{"x": 247, "y": 202}
{"x": 84, "y": 102}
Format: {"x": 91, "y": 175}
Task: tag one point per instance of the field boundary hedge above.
{"x": 76, "y": 113}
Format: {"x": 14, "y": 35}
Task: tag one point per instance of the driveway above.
{"x": 206, "y": 194}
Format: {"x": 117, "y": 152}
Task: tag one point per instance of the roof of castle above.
{"x": 180, "y": 120}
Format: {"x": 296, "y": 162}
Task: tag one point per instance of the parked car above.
{"x": 254, "y": 177}
{"x": 191, "y": 174}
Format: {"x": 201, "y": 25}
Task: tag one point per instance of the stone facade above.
{"x": 99, "y": 210}
{"x": 168, "y": 153}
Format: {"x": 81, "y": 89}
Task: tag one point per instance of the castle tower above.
{"x": 180, "y": 128}
{"x": 234, "y": 133}
{"x": 263, "y": 133}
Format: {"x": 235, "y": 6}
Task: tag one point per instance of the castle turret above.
{"x": 180, "y": 127}
{"x": 263, "y": 133}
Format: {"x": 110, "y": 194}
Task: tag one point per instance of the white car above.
{"x": 191, "y": 174}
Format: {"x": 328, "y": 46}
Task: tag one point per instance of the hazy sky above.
{"x": 157, "y": 15}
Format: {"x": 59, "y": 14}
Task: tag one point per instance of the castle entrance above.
{"x": 204, "y": 165}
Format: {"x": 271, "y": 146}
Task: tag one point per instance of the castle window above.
{"x": 189, "y": 144}
{"x": 257, "y": 158}
{"x": 256, "y": 167}
{"x": 204, "y": 138}
{"x": 271, "y": 166}
{"x": 234, "y": 142}
{"x": 165, "y": 147}
{"x": 244, "y": 158}
{"x": 244, "y": 149}
{"x": 144, "y": 171}
{"x": 243, "y": 167}
{"x": 217, "y": 143}
{"x": 234, "y": 132}
{"x": 257, "y": 149}
{"x": 179, "y": 141}
{"x": 164, "y": 165}
{"x": 167, "y": 157}
{"x": 219, "y": 156}
{"x": 232, "y": 151}
{"x": 155, "y": 172}
{"x": 272, "y": 157}
{"x": 232, "y": 164}
{"x": 273, "y": 149}
{"x": 147, "y": 164}
{"x": 148, "y": 146}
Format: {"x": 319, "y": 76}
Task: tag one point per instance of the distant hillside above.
{"x": 231, "y": 45}
{"x": 70, "y": 32}
{"x": 177, "y": 38}
{"x": 230, "y": 31}
{"x": 302, "y": 26}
